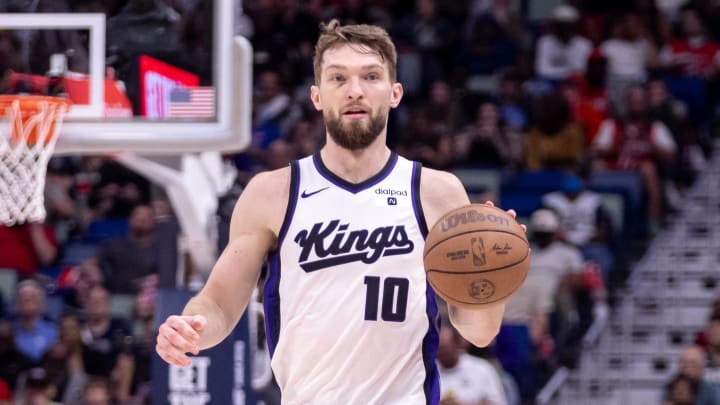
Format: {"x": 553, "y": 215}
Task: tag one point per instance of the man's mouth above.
{"x": 355, "y": 113}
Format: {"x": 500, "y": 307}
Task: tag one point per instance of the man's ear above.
{"x": 396, "y": 94}
{"x": 315, "y": 97}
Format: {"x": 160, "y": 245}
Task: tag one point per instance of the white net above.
{"x": 28, "y": 134}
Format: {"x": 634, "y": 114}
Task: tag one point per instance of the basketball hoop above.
{"x": 29, "y": 126}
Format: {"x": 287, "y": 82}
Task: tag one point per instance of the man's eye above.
{"x": 338, "y": 78}
{"x": 373, "y": 76}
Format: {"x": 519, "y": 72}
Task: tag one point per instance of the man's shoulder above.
{"x": 272, "y": 180}
{"x": 431, "y": 179}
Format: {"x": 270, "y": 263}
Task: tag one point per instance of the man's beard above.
{"x": 355, "y": 134}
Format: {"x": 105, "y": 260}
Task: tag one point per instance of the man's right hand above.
{"x": 179, "y": 335}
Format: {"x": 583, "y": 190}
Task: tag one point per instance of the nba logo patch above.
{"x": 392, "y": 201}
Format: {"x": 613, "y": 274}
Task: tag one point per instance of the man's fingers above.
{"x": 171, "y": 350}
{"x": 171, "y": 356}
{"x": 170, "y": 353}
{"x": 198, "y": 323}
{"x": 512, "y": 213}
{"x": 490, "y": 203}
{"x": 182, "y": 325}
{"x": 176, "y": 339}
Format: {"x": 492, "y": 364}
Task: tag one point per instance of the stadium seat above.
{"x": 479, "y": 181}
{"x": 102, "y": 229}
{"x": 122, "y": 305}
{"x": 614, "y": 205}
{"x": 75, "y": 253}
{"x": 8, "y": 279}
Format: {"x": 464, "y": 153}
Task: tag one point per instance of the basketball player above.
{"x": 349, "y": 315}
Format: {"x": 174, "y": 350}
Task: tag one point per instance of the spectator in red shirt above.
{"x": 27, "y": 247}
{"x": 637, "y": 143}
{"x": 587, "y": 96}
{"x": 694, "y": 54}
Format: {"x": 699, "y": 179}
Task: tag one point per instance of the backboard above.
{"x": 143, "y": 77}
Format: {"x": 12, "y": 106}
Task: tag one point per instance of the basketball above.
{"x": 476, "y": 255}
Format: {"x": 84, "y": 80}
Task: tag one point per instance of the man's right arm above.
{"x": 210, "y": 316}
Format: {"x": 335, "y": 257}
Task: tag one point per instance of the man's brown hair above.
{"x": 333, "y": 34}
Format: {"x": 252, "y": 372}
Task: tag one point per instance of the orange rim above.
{"x": 30, "y": 103}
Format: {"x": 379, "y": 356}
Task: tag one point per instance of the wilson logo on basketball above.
{"x": 333, "y": 244}
{"x": 463, "y": 218}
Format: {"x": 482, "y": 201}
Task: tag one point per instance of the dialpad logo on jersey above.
{"x": 390, "y": 192}
{"x": 332, "y": 244}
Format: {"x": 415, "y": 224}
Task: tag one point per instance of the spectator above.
{"x": 148, "y": 27}
{"x": 504, "y": 12}
{"x": 465, "y": 379}
{"x": 14, "y": 362}
{"x": 125, "y": 262}
{"x": 693, "y": 54}
{"x": 33, "y": 334}
{"x": 273, "y": 106}
{"x": 681, "y": 390}
{"x": 488, "y": 141}
{"x": 525, "y": 344}
{"x": 425, "y": 144}
{"x": 583, "y": 220}
{"x": 80, "y": 280}
{"x": 27, "y": 247}
{"x": 279, "y": 154}
{"x": 96, "y": 392}
{"x": 588, "y": 96}
{"x": 305, "y": 138}
{"x": 117, "y": 190}
{"x": 690, "y": 158}
{"x": 691, "y": 366}
{"x": 5, "y": 393}
{"x": 443, "y": 109}
{"x": 426, "y": 33}
{"x": 562, "y": 51}
{"x": 554, "y": 142}
{"x": 712, "y": 350}
{"x": 512, "y": 100}
{"x": 104, "y": 337}
{"x": 36, "y": 390}
{"x": 695, "y": 59}
{"x": 64, "y": 363}
{"x": 636, "y": 143}
{"x": 61, "y": 208}
{"x": 630, "y": 53}
{"x": 486, "y": 49}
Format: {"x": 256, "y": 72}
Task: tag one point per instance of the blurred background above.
{"x": 595, "y": 120}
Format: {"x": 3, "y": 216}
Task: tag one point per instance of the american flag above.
{"x": 197, "y": 102}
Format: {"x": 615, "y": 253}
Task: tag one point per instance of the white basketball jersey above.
{"x": 350, "y": 318}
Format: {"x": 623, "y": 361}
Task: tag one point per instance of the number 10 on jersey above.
{"x": 394, "y": 298}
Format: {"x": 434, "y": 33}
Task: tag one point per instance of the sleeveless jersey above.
{"x": 350, "y": 317}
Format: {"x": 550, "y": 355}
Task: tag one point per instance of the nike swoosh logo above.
{"x": 305, "y": 194}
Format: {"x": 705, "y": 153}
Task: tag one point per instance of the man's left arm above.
{"x": 441, "y": 192}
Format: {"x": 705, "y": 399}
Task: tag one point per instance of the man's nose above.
{"x": 354, "y": 89}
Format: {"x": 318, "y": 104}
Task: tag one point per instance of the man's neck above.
{"x": 98, "y": 326}
{"x": 141, "y": 239}
{"x": 355, "y": 166}
{"x": 28, "y": 323}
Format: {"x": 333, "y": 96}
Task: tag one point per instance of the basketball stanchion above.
{"x": 29, "y": 128}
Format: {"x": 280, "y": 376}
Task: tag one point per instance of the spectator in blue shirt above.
{"x": 33, "y": 334}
